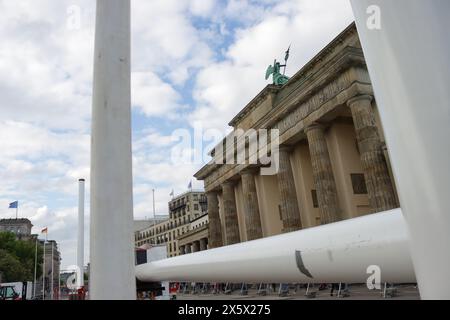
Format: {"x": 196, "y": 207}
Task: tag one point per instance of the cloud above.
{"x": 224, "y": 88}
{"x": 193, "y": 61}
{"x": 202, "y": 8}
{"x": 166, "y": 41}
{"x": 152, "y": 96}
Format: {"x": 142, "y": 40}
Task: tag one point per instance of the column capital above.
{"x": 230, "y": 183}
{"x": 359, "y": 97}
{"x": 285, "y": 148}
{"x": 249, "y": 170}
{"x": 314, "y": 125}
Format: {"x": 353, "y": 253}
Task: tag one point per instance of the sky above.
{"x": 195, "y": 64}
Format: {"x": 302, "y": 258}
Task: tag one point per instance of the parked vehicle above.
{"x": 16, "y": 291}
{"x": 8, "y": 293}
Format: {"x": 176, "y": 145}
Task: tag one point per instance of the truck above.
{"x": 16, "y": 291}
{"x": 152, "y": 290}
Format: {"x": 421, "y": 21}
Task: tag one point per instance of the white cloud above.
{"x": 165, "y": 40}
{"x": 153, "y": 96}
{"x": 202, "y": 8}
{"x": 46, "y": 80}
{"x": 224, "y": 88}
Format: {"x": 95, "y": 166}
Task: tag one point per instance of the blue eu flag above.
{"x": 14, "y": 205}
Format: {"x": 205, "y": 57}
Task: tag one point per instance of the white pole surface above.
{"x": 53, "y": 277}
{"x": 408, "y": 59}
{"x": 43, "y": 272}
{"x": 35, "y": 269}
{"x": 111, "y": 241}
{"x": 80, "y": 247}
{"x": 346, "y": 251}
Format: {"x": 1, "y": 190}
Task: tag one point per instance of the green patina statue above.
{"x": 275, "y": 71}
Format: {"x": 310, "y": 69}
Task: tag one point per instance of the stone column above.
{"x": 214, "y": 227}
{"x": 251, "y": 207}
{"x": 195, "y": 246}
{"x": 203, "y": 244}
{"x": 379, "y": 185}
{"x": 230, "y": 214}
{"x": 188, "y": 248}
{"x": 290, "y": 211}
{"x": 323, "y": 174}
{"x": 182, "y": 250}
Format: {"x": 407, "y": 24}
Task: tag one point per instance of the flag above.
{"x": 190, "y": 185}
{"x": 14, "y": 205}
{"x": 45, "y": 230}
{"x": 171, "y": 194}
{"x": 287, "y": 54}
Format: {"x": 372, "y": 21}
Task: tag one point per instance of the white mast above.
{"x": 53, "y": 277}
{"x": 80, "y": 247}
{"x": 407, "y": 51}
{"x": 43, "y": 271}
{"x": 35, "y": 268}
{"x": 111, "y": 241}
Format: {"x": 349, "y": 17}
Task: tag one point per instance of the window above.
{"x": 358, "y": 183}
{"x": 315, "y": 201}
{"x": 195, "y": 206}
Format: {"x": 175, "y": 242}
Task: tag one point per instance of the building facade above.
{"x": 182, "y": 210}
{"x": 20, "y": 227}
{"x": 196, "y": 239}
{"x": 332, "y": 159}
{"x": 51, "y": 272}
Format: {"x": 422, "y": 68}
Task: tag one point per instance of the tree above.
{"x": 11, "y": 268}
{"x": 17, "y": 258}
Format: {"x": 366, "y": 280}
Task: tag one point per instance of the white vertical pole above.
{"x": 407, "y": 49}
{"x": 111, "y": 241}
{"x": 154, "y": 211}
{"x": 59, "y": 283}
{"x": 35, "y": 269}
{"x": 52, "y": 280}
{"x": 43, "y": 273}
{"x": 80, "y": 246}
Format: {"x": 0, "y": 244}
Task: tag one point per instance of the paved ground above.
{"x": 357, "y": 292}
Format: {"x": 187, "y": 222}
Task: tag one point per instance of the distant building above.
{"x": 20, "y": 227}
{"x": 183, "y": 209}
{"x": 49, "y": 262}
{"x": 196, "y": 239}
{"x": 146, "y": 223}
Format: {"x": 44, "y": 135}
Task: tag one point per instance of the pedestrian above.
{"x": 334, "y": 286}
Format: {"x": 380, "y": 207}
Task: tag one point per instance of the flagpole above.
{"x": 53, "y": 277}
{"x": 43, "y": 272}
{"x": 59, "y": 283}
{"x": 35, "y": 269}
{"x": 154, "y": 216}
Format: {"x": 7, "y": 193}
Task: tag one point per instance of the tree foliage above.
{"x": 17, "y": 258}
